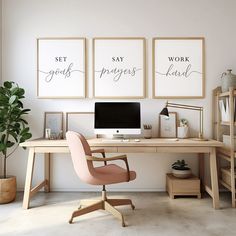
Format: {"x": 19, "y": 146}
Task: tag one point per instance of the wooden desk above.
{"x": 144, "y": 146}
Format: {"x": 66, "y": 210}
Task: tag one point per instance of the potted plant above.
{"x": 13, "y": 131}
{"x": 183, "y": 129}
{"x": 181, "y": 170}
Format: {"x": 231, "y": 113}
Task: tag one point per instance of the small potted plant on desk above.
{"x": 181, "y": 170}
{"x": 183, "y": 129}
{"x": 13, "y": 131}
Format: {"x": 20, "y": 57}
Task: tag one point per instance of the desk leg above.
{"x": 47, "y": 172}
{"x": 28, "y": 179}
{"x": 201, "y": 170}
{"x": 214, "y": 179}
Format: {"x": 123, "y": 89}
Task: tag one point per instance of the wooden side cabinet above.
{"x": 182, "y": 187}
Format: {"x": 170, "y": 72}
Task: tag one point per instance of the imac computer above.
{"x": 117, "y": 118}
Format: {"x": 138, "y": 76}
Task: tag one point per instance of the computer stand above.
{"x": 118, "y": 136}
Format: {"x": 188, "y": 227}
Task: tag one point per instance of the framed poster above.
{"x": 81, "y": 122}
{"x": 61, "y": 67}
{"x": 119, "y": 67}
{"x": 53, "y": 125}
{"x": 168, "y": 125}
{"x": 178, "y": 68}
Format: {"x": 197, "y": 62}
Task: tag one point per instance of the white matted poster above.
{"x": 119, "y": 67}
{"x": 81, "y": 122}
{"x": 178, "y": 68}
{"x": 61, "y": 68}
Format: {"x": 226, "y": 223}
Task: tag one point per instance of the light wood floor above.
{"x": 155, "y": 214}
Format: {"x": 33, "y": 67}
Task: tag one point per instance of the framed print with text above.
{"x": 61, "y": 70}
{"x": 119, "y": 67}
{"x": 178, "y": 68}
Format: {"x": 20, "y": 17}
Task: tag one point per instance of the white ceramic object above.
{"x": 228, "y": 80}
{"x": 183, "y": 132}
{"x": 182, "y": 174}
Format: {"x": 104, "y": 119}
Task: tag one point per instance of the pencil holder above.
{"x": 147, "y": 132}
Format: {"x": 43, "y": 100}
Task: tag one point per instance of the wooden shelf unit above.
{"x": 227, "y": 176}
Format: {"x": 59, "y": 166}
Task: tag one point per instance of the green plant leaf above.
{"x": 14, "y": 135}
{"x": 25, "y": 111}
{"x": 25, "y": 130}
{"x": 10, "y": 144}
{"x": 12, "y": 99}
{"x": 8, "y": 84}
{"x": 3, "y": 138}
{"x": 20, "y": 92}
{"x": 2, "y": 128}
{"x": 2, "y": 147}
{"x": 26, "y": 136}
{"x": 24, "y": 121}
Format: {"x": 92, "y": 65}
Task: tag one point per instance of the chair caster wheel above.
{"x": 132, "y": 206}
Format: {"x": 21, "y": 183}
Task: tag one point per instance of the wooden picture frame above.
{"x": 179, "y": 67}
{"x": 118, "y": 65}
{"x": 168, "y": 125}
{"x": 61, "y": 67}
{"x": 81, "y": 122}
{"x": 54, "y": 122}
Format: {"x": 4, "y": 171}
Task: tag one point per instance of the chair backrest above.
{"x": 79, "y": 148}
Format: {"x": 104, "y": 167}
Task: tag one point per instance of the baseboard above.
{"x": 99, "y": 189}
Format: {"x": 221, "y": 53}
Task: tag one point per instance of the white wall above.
{"x": 25, "y": 20}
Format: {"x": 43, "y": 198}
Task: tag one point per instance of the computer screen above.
{"x": 117, "y": 118}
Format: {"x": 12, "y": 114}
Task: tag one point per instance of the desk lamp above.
{"x": 165, "y": 112}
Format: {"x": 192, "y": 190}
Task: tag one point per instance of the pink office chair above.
{"x": 108, "y": 174}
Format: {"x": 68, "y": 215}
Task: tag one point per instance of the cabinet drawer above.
{"x": 107, "y": 149}
{"x": 186, "y": 185}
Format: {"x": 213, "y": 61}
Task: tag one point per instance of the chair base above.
{"x": 87, "y": 206}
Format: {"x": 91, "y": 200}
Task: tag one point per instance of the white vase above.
{"x": 183, "y": 132}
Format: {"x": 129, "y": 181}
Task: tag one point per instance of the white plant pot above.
{"x": 182, "y": 174}
{"x": 183, "y": 132}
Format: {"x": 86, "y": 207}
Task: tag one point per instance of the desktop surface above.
{"x": 153, "y": 142}
{"x": 42, "y": 142}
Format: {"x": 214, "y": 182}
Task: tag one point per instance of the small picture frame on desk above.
{"x": 168, "y": 126}
{"x": 53, "y": 125}
{"x": 81, "y": 122}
